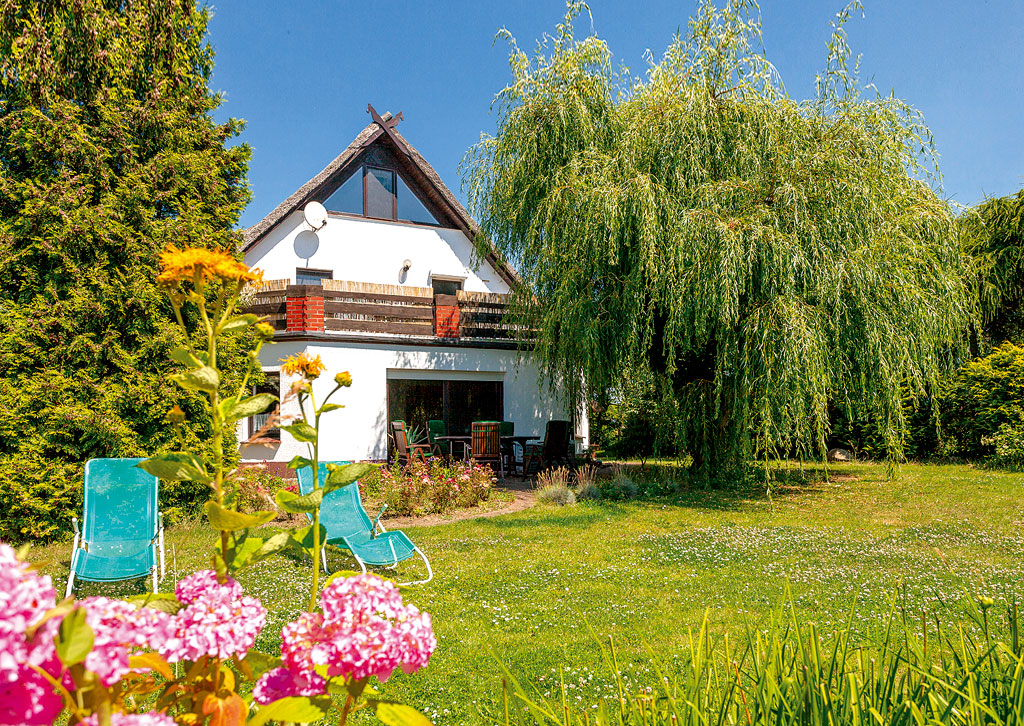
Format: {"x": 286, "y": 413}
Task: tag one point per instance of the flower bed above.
{"x": 430, "y": 487}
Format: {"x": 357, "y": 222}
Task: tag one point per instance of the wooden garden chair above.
{"x": 404, "y": 451}
{"x": 485, "y": 444}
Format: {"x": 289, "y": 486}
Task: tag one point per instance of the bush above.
{"x": 433, "y": 487}
{"x": 553, "y": 487}
{"x": 1008, "y": 446}
{"x": 984, "y": 396}
{"x": 256, "y": 488}
{"x": 586, "y": 484}
{"x": 618, "y": 486}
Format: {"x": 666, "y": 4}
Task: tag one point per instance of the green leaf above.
{"x": 225, "y": 519}
{"x": 250, "y": 549}
{"x": 75, "y": 638}
{"x": 239, "y": 323}
{"x": 302, "y": 431}
{"x": 302, "y": 538}
{"x": 185, "y": 357}
{"x": 233, "y": 411}
{"x": 330, "y": 407}
{"x": 162, "y": 601}
{"x": 205, "y": 379}
{"x": 256, "y": 664}
{"x": 297, "y": 709}
{"x": 299, "y": 462}
{"x": 292, "y": 502}
{"x": 398, "y": 714}
{"x": 345, "y": 474}
{"x": 177, "y": 466}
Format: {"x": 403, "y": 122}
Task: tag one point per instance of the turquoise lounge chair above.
{"x": 349, "y": 527}
{"x": 122, "y": 535}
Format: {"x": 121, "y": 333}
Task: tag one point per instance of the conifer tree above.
{"x": 108, "y": 154}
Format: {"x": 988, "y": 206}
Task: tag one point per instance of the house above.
{"x": 390, "y": 289}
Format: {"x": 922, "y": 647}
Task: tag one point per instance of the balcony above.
{"x": 347, "y": 309}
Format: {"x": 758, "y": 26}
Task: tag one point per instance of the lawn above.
{"x": 527, "y": 588}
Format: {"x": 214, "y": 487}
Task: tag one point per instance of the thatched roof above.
{"x": 422, "y": 173}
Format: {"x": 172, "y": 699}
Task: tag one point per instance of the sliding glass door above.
{"x": 456, "y": 402}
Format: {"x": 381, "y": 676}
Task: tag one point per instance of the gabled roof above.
{"x": 382, "y": 130}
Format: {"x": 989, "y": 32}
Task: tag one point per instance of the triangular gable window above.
{"x": 410, "y": 208}
{"x": 381, "y": 194}
{"x": 348, "y": 198}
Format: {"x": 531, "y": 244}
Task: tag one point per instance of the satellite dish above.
{"x": 315, "y": 215}
{"x": 306, "y": 244}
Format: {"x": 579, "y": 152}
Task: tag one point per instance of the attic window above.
{"x": 380, "y": 193}
{"x": 379, "y": 198}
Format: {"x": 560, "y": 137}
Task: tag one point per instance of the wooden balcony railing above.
{"x": 391, "y": 310}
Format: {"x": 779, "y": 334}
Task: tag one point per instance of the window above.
{"x": 444, "y": 286}
{"x": 379, "y": 193}
{"x": 308, "y": 276}
{"x": 457, "y": 403}
{"x": 348, "y": 198}
{"x": 272, "y": 385}
{"x": 410, "y": 208}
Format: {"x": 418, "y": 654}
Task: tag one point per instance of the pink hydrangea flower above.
{"x": 365, "y": 630}
{"x": 217, "y": 620}
{"x": 119, "y": 629}
{"x": 25, "y": 696}
{"x": 152, "y": 718}
{"x": 204, "y": 583}
{"x": 281, "y": 683}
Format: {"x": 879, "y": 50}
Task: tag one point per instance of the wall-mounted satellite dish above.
{"x": 315, "y": 215}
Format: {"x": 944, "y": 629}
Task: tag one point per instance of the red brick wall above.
{"x": 305, "y": 313}
{"x": 446, "y": 321}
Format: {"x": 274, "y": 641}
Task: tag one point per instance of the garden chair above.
{"x": 349, "y": 527}
{"x": 435, "y": 428}
{"x": 122, "y": 534}
{"x": 508, "y": 429}
{"x": 552, "y": 451}
{"x": 485, "y": 444}
{"x": 404, "y": 451}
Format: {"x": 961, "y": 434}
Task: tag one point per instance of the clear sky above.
{"x": 301, "y": 73}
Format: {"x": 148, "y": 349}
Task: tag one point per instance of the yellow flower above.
{"x": 266, "y": 330}
{"x": 307, "y": 366}
{"x": 182, "y": 266}
{"x": 343, "y": 379}
{"x": 176, "y": 415}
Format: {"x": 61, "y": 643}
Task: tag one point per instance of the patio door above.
{"x": 456, "y": 402}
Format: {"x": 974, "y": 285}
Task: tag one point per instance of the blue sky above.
{"x": 301, "y": 73}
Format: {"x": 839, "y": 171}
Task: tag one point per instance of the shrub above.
{"x": 433, "y": 487}
{"x": 256, "y": 487}
{"x": 985, "y": 395}
{"x": 586, "y": 484}
{"x": 618, "y": 486}
{"x": 553, "y": 487}
{"x": 1008, "y": 446}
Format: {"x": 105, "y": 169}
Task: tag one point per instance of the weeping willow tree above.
{"x": 764, "y": 257}
{"x": 994, "y": 235}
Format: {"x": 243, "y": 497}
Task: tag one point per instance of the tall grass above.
{"x": 921, "y": 671}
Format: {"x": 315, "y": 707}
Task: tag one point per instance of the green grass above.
{"x": 528, "y": 587}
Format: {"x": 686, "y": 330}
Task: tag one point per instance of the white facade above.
{"x": 370, "y": 250}
{"x": 374, "y": 251}
{"x": 358, "y": 432}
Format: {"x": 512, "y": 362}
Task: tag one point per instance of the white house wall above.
{"x": 358, "y": 431}
{"x": 372, "y": 251}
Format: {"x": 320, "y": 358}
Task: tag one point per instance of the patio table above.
{"x": 466, "y": 439}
